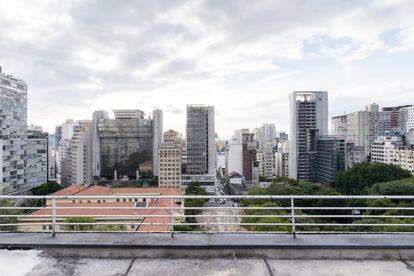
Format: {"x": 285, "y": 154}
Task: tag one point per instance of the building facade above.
{"x": 80, "y": 156}
{"x": 338, "y": 125}
{"x": 157, "y": 128}
{"x": 330, "y": 158}
{"x": 249, "y": 156}
{"x": 282, "y": 159}
{"x": 354, "y": 155}
{"x": 37, "y": 156}
{"x": 201, "y": 148}
{"x": 126, "y": 145}
{"x": 169, "y": 165}
{"x": 266, "y": 159}
{"x": 394, "y": 119}
{"x": 96, "y": 142}
{"x": 308, "y": 119}
{"x": 362, "y": 127}
{"x": 13, "y": 133}
{"x": 63, "y": 161}
{"x": 393, "y": 149}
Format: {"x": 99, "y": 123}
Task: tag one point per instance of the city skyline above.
{"x": 168, "y": 54}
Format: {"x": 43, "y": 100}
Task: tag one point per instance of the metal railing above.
{"x": 212, "y": 214}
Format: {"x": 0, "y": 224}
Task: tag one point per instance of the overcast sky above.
{"x": 243, "y": 57}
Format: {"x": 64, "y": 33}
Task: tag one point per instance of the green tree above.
{"x": 361, "y": 177}
{"x": 397, "y": 187}
{"x": 44, "y": 189}
{"x": 79, "y": 227}
{"x": 8, "y": 220}
{"x": 194, "y": 188}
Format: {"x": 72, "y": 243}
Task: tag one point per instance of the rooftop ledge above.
{"x": 243, "y": 245}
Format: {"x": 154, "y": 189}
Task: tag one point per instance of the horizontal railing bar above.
{"x": 211, "y": 208}
{"x": 354, "y": 224}
{"x": 206, "y": 216}
{"x": 209, "y": 197}
{"x": 354, "y": 208}
{"x": 156, "y": 208}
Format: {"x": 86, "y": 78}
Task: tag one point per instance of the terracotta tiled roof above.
{"x": 95, "y": 191}
{"x": 90, "y": 212}
{"x": 160, "y": 191}
{"x": 71, "y": 190}
{"x": 101, "y": 190}
{"x": 157, "y": 228}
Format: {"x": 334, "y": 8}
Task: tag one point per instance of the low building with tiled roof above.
{"x": 134, "y": 217}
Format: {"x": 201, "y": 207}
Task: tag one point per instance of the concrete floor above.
{"x": 31, "y": 263}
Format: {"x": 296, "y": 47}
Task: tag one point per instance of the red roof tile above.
{"x": 95, "y": 191}
{"x": 71, "y": 190}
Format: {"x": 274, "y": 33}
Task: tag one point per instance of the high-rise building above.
{"x": 249, "y": 155}
{"x": 269, "y": 133}
{"x": 13, "y": 133}
{"x": 80, "y": 156}
{"x": 52, "y": 162}
{"x": 410, "y": 118}
{"x": 157, "y": 128}
{"x": 393, "y": 149}
{"x": 96, "y": 142}
{"x": 308, "y": 120}
{"x": 234, "y": 157}
{"x": 362, "y": 127}
{"x": 282, "y": 159}
{"x": 126, "y": 145}
{"x": 383, "y": 148}
{"x": 238, "y": 135}
{"x": 169, "y": 165}
{"x": 354, "y": 155}
{"x": 394, "y": 119}
{"x": 201, "y": 148}
{"x": 266, "y": 159}
{"x": 63, "y": 164}
{"x": 172, "y": 136}
{"x": 330, "y": 158}
{"x": 338, "y": 125}
{"x": 37, "y": 156}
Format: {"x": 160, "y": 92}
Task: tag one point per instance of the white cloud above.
{"x": 244, "y": 57}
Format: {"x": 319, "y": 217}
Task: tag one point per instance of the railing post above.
{"x": 292, "y": 205}
{"x": 172, "y": 218}
{"x": 53, "y": 217}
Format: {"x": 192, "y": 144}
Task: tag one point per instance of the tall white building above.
{"x": 234, "y": 157}
{"x": 52, "y": 162}
{"x": 238, "y": 135}
{"x": 394, "y": 119}
{"x": 63, "y": 165}
{"x": 362, "y": 127}
{"x": 410, "y": 118}
{"x": 80, "y": 156}
{"x": 338, "y": 125}
{"x": 392, "y": 150}
{"x": 308, "y": 119}
{"x": 157, "y": 129}
{"x": 13, "y": 134}
{"x": 269, "y": 133}
{"x": 266, "y": 160}
{"x": 282, "y": 159}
